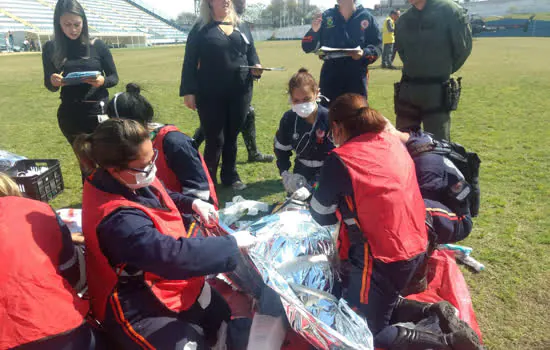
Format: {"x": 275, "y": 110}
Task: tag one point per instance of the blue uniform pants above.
{"x": 374, "y": 291}
{"x": 342, "y": 75}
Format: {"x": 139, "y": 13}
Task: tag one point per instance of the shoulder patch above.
{"x": 364, "y": 24}
{"x": 330, "y": 22}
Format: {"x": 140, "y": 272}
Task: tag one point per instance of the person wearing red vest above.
{"x": 180, "y": 166}
{"x": 370, "y": 178}
{"x": 146, "y": 277}
{"x": 39, "y": 308}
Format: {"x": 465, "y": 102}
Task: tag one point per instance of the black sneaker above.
{"x": 261, "y": 158}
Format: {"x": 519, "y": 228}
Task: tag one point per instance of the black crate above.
{"x": 43, "y": 187}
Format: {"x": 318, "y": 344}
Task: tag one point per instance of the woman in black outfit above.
{"x": 214, "y": 82}
{"x": 72, "y": 50}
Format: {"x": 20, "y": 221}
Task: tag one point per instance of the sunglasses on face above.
{"x": 147, "y": 170}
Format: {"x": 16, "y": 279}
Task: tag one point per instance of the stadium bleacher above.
{"x": 114, "y": 19}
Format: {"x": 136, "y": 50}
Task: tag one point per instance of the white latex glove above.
{"x": 296, "y": 182}
{"x": 206, "y": 211}
{"x": 287, "y": 177}
{"x": 302, "y": 194}
{"x": 244, "y": 239}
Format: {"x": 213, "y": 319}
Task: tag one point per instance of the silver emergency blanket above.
{"x": 295, "y": 257}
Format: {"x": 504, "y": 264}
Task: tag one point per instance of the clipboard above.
{"x": 267, "y": 69}
{"x": 76, "y": 78}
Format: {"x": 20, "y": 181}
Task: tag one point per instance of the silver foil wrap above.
{"x": 295, "y": 257}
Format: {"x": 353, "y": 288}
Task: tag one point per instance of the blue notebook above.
{"x": 76, "y": 78}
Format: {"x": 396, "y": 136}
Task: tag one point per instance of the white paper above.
{"x": 334, "y": 49}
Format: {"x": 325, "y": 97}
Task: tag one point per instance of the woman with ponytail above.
{"x": 180, "y": 166}
{"x": 302, "y": 130}
{"x": 145, "y": 274}
{"x": 370, "y": 178}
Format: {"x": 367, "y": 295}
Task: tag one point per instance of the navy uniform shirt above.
{"x": 436, "y": 174}
{"x": 182, "y": 157}
{"x": 128, "y": 236}
{"x": 361, "y": 29}
{"x": 448, "y": 226}
{"x": 309, "y": 142}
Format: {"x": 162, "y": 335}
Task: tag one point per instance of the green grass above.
{"x": 504, "y": 116}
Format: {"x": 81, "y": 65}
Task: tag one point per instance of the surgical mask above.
{"x": 143, "y": 179}
{"x": 305, "y": 109}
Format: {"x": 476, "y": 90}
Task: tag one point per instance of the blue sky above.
{"x": 173, "y": 7}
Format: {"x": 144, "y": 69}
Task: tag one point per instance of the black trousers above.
{"x": 75, "y": 118}
{"x": 248, "y": 131}
{"x": 222, "y": 118}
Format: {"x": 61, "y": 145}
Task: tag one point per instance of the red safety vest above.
{"x": 176, "y": 295}
{"x": 390, "y": 209}
{"x": 166, "y": 175}
{"x": 36, "y": 302}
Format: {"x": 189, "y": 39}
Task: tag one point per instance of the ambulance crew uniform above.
{"x": 145, "y": 276}
{"x": 310, "y": 143}
{"x": 444, "y": 189}
{"x": 39, "y": 308}
{"x": 180, "y": 166}
{"x": 433, "y": 44}
{"x": 344, "y": 74}
{"x": 81, "y": 104}
{"x": 387, "y": 237}
{"x": 223, "y": 90}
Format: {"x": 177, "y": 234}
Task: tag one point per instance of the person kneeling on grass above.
{"x": 304, "y": 130}
{"x": 370, "y": 178}
{"x": 145, "y": 276}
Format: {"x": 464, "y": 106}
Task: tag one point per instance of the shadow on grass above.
{"x": 254, "y": 190}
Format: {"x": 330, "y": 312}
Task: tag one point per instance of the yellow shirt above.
{"x": 387, "y": 36}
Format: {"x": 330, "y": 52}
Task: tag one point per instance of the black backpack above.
{"x": 467, "y": 162}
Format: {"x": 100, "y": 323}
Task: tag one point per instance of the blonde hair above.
{"x": 205, "y": 16}
{"x": 8, "y": 187}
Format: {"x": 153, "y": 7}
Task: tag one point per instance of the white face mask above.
{"x": 143, "y": 180}
{"x": 304, "y": 110}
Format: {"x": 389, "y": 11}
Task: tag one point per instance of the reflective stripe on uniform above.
{"x": 350, "y": 221}
{"x": 321, "y": 209}
{"x": 69, "y": 263}
{"x": 311, "y": 163}
{"x": 201, "y": 194}
{"x": 282, "y": 147}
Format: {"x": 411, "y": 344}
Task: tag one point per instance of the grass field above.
{"x": 504, "y": 116}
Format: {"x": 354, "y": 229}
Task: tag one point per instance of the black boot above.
{"x": 415, "y": 311}
{"x": 249, "y": 137}
{"x": 411, "y": 339}
{"x": 199, "y": 136}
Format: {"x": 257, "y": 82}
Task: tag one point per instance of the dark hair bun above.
{"x": 303, "y": 70}
{"x": 133, "y": 88}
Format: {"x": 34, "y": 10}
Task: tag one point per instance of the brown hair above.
{"x": 302, "y": 78}
{"x": 8, "y": 187}
{"x": 353, "y": 113}
{"x": 114, "y": 144}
